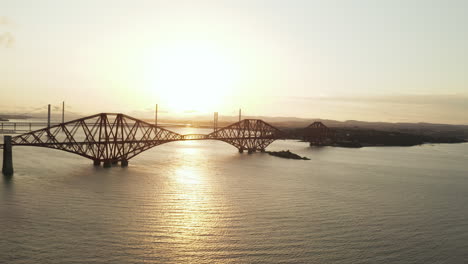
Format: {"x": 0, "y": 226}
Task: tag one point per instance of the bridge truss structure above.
{"x": 317, "y": 134}
{"x": 110, "y": 138}
{"x": 114, "y": 137}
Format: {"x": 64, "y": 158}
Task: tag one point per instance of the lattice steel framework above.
{"x": 101, "y": 137}
{"x": 111, "y": 137}
{"x": 318, "y": 134}
{"x": 248, "y": 134}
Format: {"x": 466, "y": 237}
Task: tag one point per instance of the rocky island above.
{"x": 286, "y": 155}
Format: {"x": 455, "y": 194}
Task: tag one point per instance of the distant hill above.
{"x": 426, "y": 129}
{"x": 9, "y": 116}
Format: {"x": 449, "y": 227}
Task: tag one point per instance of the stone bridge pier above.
{"x": 7, "y": 168}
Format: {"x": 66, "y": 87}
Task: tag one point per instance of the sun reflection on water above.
{"x": 187, "y": 175}
{"x": 192, "y": 220}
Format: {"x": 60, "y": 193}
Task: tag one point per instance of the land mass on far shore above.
{"x": 5, "y": 117}
{"x": 356, "y": 134}
{"x": 357, "y": 137}
{"x": 408, "y": 132}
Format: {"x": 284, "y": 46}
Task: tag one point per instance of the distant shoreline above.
{"x": 358, "y": 145}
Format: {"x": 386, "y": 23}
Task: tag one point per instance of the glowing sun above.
{"x": 191, "y": 77}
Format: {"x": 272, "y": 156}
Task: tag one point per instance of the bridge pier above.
{"x": 250, "y": 151}
{"x": 124, "y": 163}
{"x": 97, "y": 163}
{"x": 107, "y": 164}
{"x": 115, "y": 162}
{"x": 241, "y": 150}
{"x": 7, "y": 168}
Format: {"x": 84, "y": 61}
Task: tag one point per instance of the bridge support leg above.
{"x": 107, "y": 164}
{"x": 262, "y": 150}
{"x": 115, "y": 162}
{"x": 250, "y": 151}
{"x": 124, "y": 163}
{"x": 7, "y": 168}
{"x": 97, "y": 163}
{"x": 241, "y": 150}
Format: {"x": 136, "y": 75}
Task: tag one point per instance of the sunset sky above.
{"x": 363, "y": 60}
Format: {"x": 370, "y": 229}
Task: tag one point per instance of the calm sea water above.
{"x": 203, "y": 202}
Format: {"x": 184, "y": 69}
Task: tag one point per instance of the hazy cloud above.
{"x": 451, "y": 100}
{"x": 3, "y": 21}
{"x": 6, "y": 38}
{"x": 447, "y": 108}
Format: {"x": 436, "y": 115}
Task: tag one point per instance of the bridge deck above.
{"x": 108, "y": 137}
{"x": 111, "y": 137}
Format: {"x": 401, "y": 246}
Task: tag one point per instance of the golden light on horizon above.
{"x": 190, "y": 77}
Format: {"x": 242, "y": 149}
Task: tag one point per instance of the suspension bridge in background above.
{"x": 110, "y": 138}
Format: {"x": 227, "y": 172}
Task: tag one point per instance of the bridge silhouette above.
{"x": 318, "y": 134}
{"x": 110, "y": 138}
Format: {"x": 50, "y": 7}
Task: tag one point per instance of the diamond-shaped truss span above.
{"x": 116, "y": 137}
{"x": 248, "y": 134}
{"x": 318, "y": 134}
{"x": 101, "y": 137}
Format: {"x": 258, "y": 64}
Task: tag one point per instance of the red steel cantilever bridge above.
{"x": 112, "y": 137}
